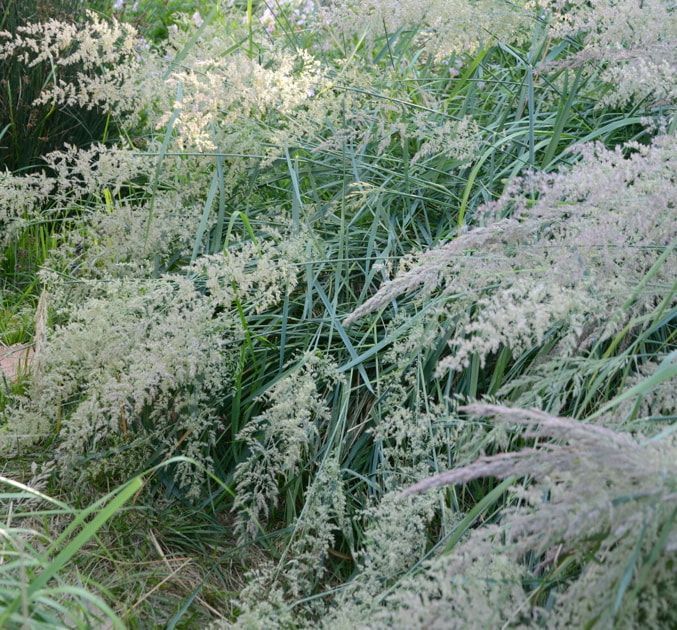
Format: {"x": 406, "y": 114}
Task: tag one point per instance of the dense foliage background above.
{"x": 348, "y": 314}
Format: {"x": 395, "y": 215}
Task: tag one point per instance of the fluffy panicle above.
{"x": 445, "y": 27}
{"x": 454, "y": 593}
{"x": 519, "y": 317}
{"x": 128, "y": 239}
{"x": 259, "y": 272}
{"x": 356, "y": 109}
{"x": 659, "y": 401}
{"x": 139, "y": 364}
{"x": 96, "y": 63}
{"x": 395, "y": 537}
{"x": 270, "y": 591}
{"x": 280, "y": 440}
{"x": 596, "y": 491}
{"x": 427, "y": 270}
{"x": 457, "y": 139}
{"x": 134, "y": 215}
{"x": 578, "y": 254}
{"x": 323, "y": 517}
{"x": 135, "y": 370}
{"x": 21, "y": 199}
{"x": 633, "y": 40}
{"x": 80, "y": 172}
{"x": 220, "y": 97}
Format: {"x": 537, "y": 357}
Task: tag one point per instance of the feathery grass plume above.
{"x": 408, "y": 437}
{"x": 444, "y": 27}
{"x": 460, "y": 139}
{"x": 476, "y": 587}
{"x": 126, "y": 239}
{"x": 136, "y": 370}
{"x": 323, "y": 517}
{"x": 81, "y": 172}
{"x": 597, "y": 521}
{"x": 633, "y": 40}
{"x": 105, "y": 194}
{"x": 271, "y": 590}
{"x": 578, "y": 254}
{"x": 225, "y": 99}
{"x": 132, "y": 376}
{"x": 505, "y": 465}
{"x": 418, "y": 432}
{"x": 257, "y": 273}
{"x": 125, "y": 214}
{"x": 396, "y": 537}
{"x": 28, "y": 130}
{"x": 21, "y": 197}
{"x": 602, "y": 501}
{"x": 281, "y": 439}
{"x": 355, "y": 108}
{"x": 398, "y": 585}
{"x": 104, "y": 53}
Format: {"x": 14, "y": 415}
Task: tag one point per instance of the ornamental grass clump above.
{"x": 574, "y": 252}
{"x": 29, "y": 130}
{"x": 374, "y": 301}
{"x": 138, "y": 370}
{"x": 160, "y": 358}
{"x": 602, "y": 503}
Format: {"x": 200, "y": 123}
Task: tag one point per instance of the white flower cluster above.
{"x": 445, "y": 27}
{"x": 21, "y": 197}
{"x": 219, "y": 94}
{"x": 96, "y": 64}
{"x": 633, "y": 40}
{"x": 577, "y": 255}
